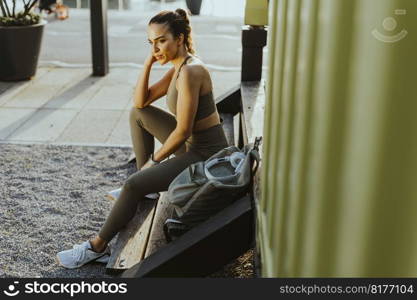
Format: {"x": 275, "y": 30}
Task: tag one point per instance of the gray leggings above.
{"x": 145, "y": 124}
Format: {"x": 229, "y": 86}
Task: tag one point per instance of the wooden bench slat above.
{"x": 228, "y": 127}
{"x": 203, "y": 249}
{"x": 131, "y": 242}
{"x": 157, "y": 237}
{"x": 253, "y": 106}
{"x": 252, "y": 121}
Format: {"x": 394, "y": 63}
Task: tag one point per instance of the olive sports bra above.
{"x": 206, "y": 104}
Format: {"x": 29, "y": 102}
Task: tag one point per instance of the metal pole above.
{"x": 253, "y": 41}
{"x": 99, "y": 41}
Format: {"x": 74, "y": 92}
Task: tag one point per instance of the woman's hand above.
{"x": 150, "y": 59}
{"x": 148, "y": 164}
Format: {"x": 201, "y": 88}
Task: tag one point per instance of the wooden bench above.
{"x": 141, "y": 249}
{"x": 252, "y": 117}
{"x": 144, "y": 233}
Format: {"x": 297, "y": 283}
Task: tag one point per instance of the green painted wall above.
{"x": 339, "y": 175}
{"x": 256, "y": 12}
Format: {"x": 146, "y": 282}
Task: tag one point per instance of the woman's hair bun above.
{"x": 182, "y": 13}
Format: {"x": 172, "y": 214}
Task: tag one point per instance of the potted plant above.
{"x": 20, "y": 40}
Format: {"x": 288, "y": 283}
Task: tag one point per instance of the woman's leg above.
{"x": 145, "y": 124}
{"x": 153, "y": 179}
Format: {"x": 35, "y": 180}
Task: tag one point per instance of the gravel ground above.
{"x": 52, "y": 197}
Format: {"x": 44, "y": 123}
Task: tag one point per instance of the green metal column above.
{"x": 340, "y": 140}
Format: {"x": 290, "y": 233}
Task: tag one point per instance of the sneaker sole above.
{"x": 95, "y": 260}
{"x": 103, "y": 259}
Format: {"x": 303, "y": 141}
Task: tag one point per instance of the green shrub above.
{"x": 24, "y": 18}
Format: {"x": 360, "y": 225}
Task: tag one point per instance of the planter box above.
{"x": 19, "y": 51}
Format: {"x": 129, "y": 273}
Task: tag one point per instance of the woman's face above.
{"x": 164, "y": 45}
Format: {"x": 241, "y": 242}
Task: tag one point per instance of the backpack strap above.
{"x": 254, "y": 153}
{"x": 258, "y": 141}
{"x": 236, "y": 159}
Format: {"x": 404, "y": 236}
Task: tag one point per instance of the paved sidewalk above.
{"x": 69, "y": 106}
{"x": 216, "y": 39}
{"x": 64, "y": 104}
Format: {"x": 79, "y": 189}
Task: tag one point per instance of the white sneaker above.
{"x": 104, "y": 259}
{"x": 80, "y": 255}
{"x": 114, "y": 195}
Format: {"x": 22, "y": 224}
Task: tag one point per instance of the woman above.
{"x": 193, "y": 133}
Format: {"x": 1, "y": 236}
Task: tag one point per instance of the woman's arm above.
{"x": 143, "y": 96}
{"x": 189, "y": 83}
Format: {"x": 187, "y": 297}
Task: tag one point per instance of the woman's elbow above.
{"x": 184, "y": 133}
{"x": 138, "y": 106}
{"x": 137, "y": 103}
{"x": 140, "y": 102}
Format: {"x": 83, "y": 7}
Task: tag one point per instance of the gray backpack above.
{"x": 207, "y": 187}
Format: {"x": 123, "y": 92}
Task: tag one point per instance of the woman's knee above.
{"x": 139, "y": 115}
{"x": 133, "y": 183}
{"x": 135, "y": 115}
